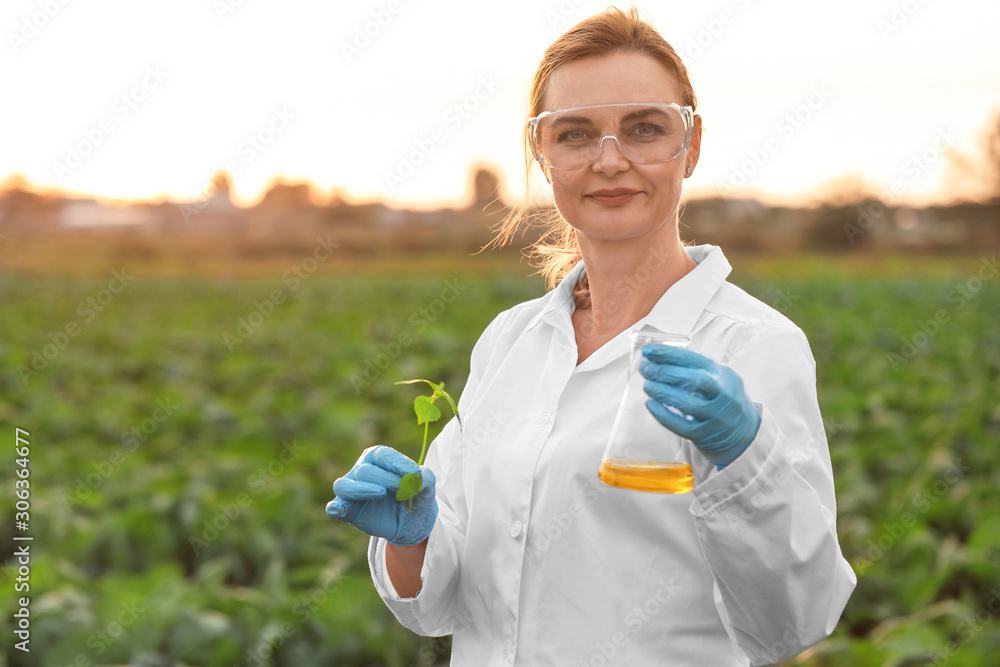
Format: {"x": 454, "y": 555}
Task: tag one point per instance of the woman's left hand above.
{"x": 716, "y": 414}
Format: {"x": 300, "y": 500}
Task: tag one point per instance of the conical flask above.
{"x": 642, "y": 454}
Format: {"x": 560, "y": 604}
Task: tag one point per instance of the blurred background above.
{"x": 228, "y": 226}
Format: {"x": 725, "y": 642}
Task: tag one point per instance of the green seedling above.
{"x": 427, "y": 412}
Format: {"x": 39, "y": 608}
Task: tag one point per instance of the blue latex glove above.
{"x": 366, "y": 498}
{"x": 717, "y": 415}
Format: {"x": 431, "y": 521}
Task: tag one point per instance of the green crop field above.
{"x": 184, "y": 434}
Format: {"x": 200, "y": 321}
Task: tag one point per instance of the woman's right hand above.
{"x": 366, "y": 498}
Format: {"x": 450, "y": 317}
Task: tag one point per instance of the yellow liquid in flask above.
{"x": 654, "y": 476}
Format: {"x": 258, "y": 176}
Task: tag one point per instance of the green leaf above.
{"x": 439, "y": 391}
{"x": 426, "y": 410}
{"x": 409, "y": 486}
{"x": 435, "y": 387}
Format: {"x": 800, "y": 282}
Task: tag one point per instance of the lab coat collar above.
{"x": 559, "y": 302}
{"x": 680, "y": 307}
{"x": 677, "y": 311}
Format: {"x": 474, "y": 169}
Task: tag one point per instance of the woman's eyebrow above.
{"x": 640, "y": 113}
{"x": 571, "y": 119}
{"x": 644, "y": 112}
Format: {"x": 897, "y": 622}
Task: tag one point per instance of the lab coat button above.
{"x": 506, "y": 648}
{"x": 515, "y": 529}
{"x": 543, "y": 421}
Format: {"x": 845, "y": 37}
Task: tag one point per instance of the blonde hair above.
{"x": 605, "y": 33}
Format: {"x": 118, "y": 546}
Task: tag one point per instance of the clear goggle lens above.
{"x": 645, "y": 133}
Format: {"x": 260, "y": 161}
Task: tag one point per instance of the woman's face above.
{"x": 615, "y": 199}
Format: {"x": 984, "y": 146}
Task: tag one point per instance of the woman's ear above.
{"x": 545, "y": 172}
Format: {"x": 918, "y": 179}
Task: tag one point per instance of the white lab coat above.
{"x": 533, "y": 561}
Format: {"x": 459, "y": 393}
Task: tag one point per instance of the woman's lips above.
{"x": 613, "y": 197}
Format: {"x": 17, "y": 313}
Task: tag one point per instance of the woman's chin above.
{"x": 625, "y": 229}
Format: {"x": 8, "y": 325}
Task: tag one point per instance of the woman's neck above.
{"x": 627, "y": 278}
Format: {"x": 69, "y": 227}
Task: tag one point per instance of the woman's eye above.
{"x": 572, "y": 135}
{"x": 649, "y": 130}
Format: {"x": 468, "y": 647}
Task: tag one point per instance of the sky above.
{"x": 398, "y": 99}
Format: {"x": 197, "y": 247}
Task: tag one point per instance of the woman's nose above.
{"x": 613, "y": 159}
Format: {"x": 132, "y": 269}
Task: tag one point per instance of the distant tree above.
{"x": 337, "y": 198}
{"x": 287, "y": 195}
{"x": 222, "y": 184}
{"x": 845, "y": 191}
{"x": 992, "y": 150}
{"x": 14, "y": 182}
{"x": 979, "y": 174}
{"x": 486, "y": 190}
{"x": 17, "y": 195}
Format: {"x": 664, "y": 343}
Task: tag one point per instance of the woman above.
{"x": 514, "y": 546}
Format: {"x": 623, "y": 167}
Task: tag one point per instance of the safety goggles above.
{"x": 646, "y": 133}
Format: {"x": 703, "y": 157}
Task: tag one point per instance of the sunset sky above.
{"x": 397, "y": 99}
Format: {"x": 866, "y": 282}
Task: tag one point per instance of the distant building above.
{"x": 81, "y": 212}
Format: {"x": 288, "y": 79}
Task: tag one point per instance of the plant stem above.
{"x": 423, "y": 450}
